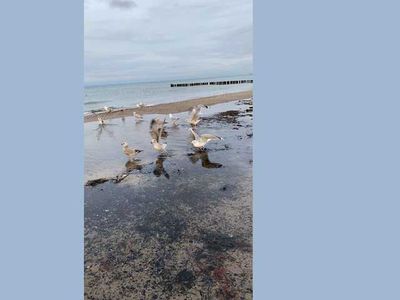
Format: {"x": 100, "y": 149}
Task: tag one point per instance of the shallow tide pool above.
{"x": 179, "y": 225}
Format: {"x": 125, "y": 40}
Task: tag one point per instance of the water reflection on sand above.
{"x": 205, "y": 161}
{"x": 159, "y": 166}
{"x": 132, "y": 165}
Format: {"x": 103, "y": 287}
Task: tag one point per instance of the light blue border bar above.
{"x": 326, "y": 150}
{"x": 326, "y": 164}
{"x": 41, "y": 223}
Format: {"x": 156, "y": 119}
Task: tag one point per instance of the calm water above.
{"x": 103, "y": 150}
{"x": 129, "y": 95}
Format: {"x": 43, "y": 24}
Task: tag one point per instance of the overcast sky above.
{"x": 150, "y": 40}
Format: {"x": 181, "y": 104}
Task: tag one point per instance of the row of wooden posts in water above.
{"x": 212, "y": 83}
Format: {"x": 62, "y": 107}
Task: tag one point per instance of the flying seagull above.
{"x": 156, "y": 126}
{"x": 174, "y": 120}
{"x": 194, "y": 117}
{"x": 156, "y": 131}
{"x": 130, "y": 152}
{"x": 201, "y": 140}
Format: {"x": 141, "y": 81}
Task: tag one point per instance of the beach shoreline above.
{"x": 172, "y": 107}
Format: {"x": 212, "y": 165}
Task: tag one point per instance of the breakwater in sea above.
{"x": 224, "y": 82}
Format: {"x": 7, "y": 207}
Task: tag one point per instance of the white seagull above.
{"x": 174, "y": 120}
{"x": 194, "y": 118}
{"x": 101, "y": 121}
{"x": 107, "y": 109}
{"x": 201, "y": 140}
{"x": 158, "y": 145}
{"x": 138, "y": 117}
{"x": 140, "y": 104}
{"x": 130, "y": 152}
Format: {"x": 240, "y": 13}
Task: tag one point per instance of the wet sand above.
{"x": 179, "y": 225}
{"x": 174, "y": 107}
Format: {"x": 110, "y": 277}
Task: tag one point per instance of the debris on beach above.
{"x": 97, "y": 181}
{"x": 248, "y": 101}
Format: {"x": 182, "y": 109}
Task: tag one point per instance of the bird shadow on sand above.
{"x": 139, "y": 122}
{"x": 101, "y": 128}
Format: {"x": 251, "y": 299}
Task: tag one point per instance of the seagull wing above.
{"x": 196, "y": 136}
{"x": 194, "y": 113}
{"x": 209, "y": 137}
{"x": 153, "y": 125}
{"x": 154, "y": 130}
{"x": 160, "y": 131}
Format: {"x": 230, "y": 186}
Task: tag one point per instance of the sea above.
{"x": 150, "y": 93}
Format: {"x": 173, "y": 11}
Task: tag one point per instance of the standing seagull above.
{"x": 107, "y": 109}
{"x": 101, "y": 121}
{"x": 138, "y": 117}
{"x": 157, "y": 127}
{"x": 202, "y": 140}
{"x": 130, "y": 152}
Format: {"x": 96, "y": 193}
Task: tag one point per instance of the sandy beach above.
{"x": 167, "y": 108}
{"x": 179, "y": 224}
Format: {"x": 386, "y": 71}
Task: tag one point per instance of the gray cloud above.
{"x": 123, "y": 4}
{"x": 168, "y": 40}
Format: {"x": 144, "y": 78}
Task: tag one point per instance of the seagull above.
{"x": 194, "y": 118}
{"x": 107, "y": 109}
{"x": 138, "y": 117}
{"x": 130, "y": 152}
{"x": 101, "y": 121}
{"x": 174, "y": 120}
{"x": 202, "y": 140}
{"x": 158, "y": 145}
{"x": 196, "y": 109}
{"x": 157, "y": 127}
{"x": 140, "y": 104}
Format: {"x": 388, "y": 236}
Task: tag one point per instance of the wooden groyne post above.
{"x": 225, "y": 82}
